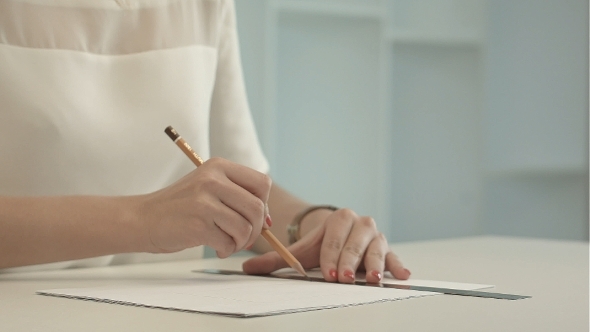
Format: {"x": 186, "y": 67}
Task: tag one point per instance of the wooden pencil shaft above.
{"x": 278, "y": 247}
{"x": 283, "y": 252}
{"x": 189, "y": 152}
{"x": 183, "y": 145}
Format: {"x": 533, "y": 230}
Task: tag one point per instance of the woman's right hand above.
{"x": 221, "y": 204}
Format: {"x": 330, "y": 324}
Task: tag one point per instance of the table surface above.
{"x": 554, "y": 273}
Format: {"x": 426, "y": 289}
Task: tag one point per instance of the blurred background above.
{"x": 440, "y": 118}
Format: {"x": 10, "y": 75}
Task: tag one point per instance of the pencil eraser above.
{"x": 171, "y": 133}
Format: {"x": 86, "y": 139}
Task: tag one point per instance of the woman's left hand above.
{"x": 343, "y": 244}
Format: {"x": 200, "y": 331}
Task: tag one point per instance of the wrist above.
{"x": 313, "y": 220}
{"x": 313, "y": 215}
{"x": 135, "y": 215}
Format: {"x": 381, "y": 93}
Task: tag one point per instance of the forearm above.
{"x": 283, "y": 207}
{"x": 35, "y": 230}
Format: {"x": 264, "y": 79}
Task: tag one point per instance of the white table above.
{"x": 554, "y": 273}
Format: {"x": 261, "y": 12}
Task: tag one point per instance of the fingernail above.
{"x": 349, "y": 274}
{"x": 377, "y": 275}
{"x": 408, "y": 271}
{"x": 333, "y": 273}
{"x": 268, "y": 220}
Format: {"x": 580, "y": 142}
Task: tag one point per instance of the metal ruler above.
{"x": 448, "y": 291}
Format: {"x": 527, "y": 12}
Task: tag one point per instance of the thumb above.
{"x": 264, "y": 264}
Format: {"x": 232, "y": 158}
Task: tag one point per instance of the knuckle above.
{"x": 209, "y": 181}
{"x": 346, "y": 213}
{"x": 229, "y": 247}
{"x": 353, "y": 249}
{"x": 333, "y": 244}
{"x": 376, "y": 254}
{"x": 216, "y": 161}
{"x": 258, "y": 207}
{"x": 382, "y": 240}
{"x": 266, "y": 181}
{"x": 248, "y": 230}
{"x": 246, "y": 236}
{"x": 368, "y": 222}
{"x": 225, "y": 248}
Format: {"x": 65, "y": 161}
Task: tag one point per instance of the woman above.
{"x": 87, "y": 176}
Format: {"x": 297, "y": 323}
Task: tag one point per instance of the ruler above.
{"x": 448, "y": 291}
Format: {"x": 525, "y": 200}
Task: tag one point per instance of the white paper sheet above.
{"x": 247, "y": 296}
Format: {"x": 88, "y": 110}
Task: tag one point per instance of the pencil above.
{"x": 284, "y": 252}
{"x": 270, "y": 238}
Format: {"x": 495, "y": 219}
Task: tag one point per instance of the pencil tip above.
{"x": 300, "y": 269}
{"x": 171, "y": 133}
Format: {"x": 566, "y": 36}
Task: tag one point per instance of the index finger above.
{"x": 393, "y": 265}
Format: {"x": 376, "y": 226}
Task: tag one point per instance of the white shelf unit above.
{"x": 377, "y": 105}
{"x": 327, "y": 122}
{"x": 536, "y": 118}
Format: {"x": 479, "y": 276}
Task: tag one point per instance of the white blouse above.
{"x": 87, "y": 88}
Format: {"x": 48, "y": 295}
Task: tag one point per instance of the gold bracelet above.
{"x": 293, "y": 228}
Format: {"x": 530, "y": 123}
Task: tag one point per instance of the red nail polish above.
{"x": 377, "y": 275}
{"x": 349, "y": 274}
{"x": 268, "y": 220}
{"x": 333, "y": 273}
